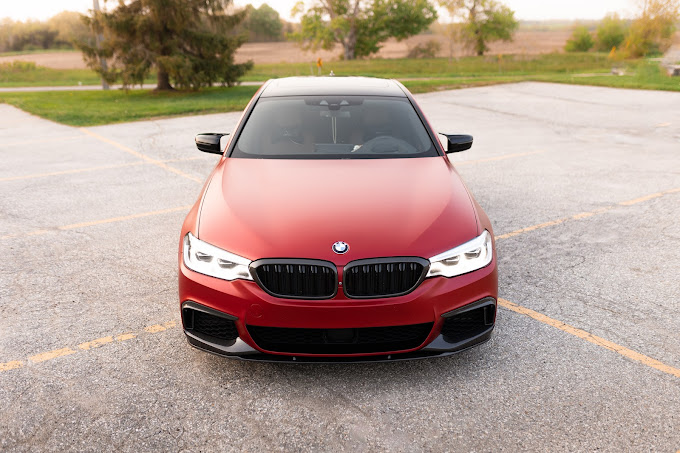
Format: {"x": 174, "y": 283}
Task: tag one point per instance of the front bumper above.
{"x": 440, "y": 346}
{"x": 246, "y": 304}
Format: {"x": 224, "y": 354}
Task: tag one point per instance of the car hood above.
{"x": 276, "y": 208}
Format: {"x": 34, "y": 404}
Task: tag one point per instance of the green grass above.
{"x": 87, "y": 108}
{"x": 442, "y": 67}
{"x": 91, "y": 108}
{"x": 27, "y": 74}
{"x": 644, "y": 74}
{"x": 34, "y": 51}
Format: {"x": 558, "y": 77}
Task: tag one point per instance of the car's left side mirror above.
{"x": 209, "y": 142}
{"x": 457, "y": 143}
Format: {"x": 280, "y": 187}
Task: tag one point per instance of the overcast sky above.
{"x": 524, "y": 9}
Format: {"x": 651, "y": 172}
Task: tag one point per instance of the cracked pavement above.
{"x": 533, "y": 387}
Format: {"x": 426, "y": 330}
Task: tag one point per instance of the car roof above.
{"x": 332, "y": 86}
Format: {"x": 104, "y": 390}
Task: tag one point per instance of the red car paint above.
{"x": 279, "y": 208}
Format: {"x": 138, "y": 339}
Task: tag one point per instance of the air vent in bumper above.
{"x": 201, "y": 322}
{"x": 469, "y": 323}
{"x": 340, "y": 341}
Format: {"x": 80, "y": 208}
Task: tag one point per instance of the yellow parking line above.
{"x": 139, "y": 155}
{"x": 51, "y": 355}
{"x": 91, "y": 169}
{"x": 125, "y": 336}
{"x": 86, "y": 346}
{"x": 69, "y": 172}
{"x": 13, "y": 365}
{"x": 160, "y": 327}
{"x": 493, "y": 159}
{"x": 599, "y": 341}
{"x": 38, "y": 141}
{"x": 74, "y": 226}
{"x": 585, "y": 215}
{"x": 96, "y": 343}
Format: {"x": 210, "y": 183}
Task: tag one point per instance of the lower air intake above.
{"x": 200, "y": 322}
{"x": 469, "y": 324}
{"x": 362, "y": 340}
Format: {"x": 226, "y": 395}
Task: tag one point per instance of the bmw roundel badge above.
{"x": 340, "y": 247}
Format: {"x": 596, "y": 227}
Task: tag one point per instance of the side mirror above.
{"x": 457, "y": 143}
{"x": 209, "y": 142}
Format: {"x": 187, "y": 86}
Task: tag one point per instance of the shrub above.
{"x": 580, "y": 41}
{"x": 428, "y": 49}
{"x": 652, "y": 32}
{"x": 611, "y": 32}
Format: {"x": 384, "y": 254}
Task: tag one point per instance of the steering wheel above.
{"x": 385, "y": 144}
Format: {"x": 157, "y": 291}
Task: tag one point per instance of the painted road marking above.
{"x": 585, "y": 215}
{"x": 599, "y": 341}
{"x": 96, "y": 343}
{"x": 493, "y": 159}
{"x": 35, "y": 142}
{"x": 74, "y": 226}
{"x": 86, "y": 346}
{"x": 157, "y": 328}
{"x": 139, "y": 155}
{"x": 91, "y": 169}
{"x": 11, "y": 365}
{"x": 160, "y": 327}
{"x": 45, "y": 356}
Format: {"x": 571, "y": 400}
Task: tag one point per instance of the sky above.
{"x": 524, "y": 9}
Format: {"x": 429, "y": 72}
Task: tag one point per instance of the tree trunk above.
{"x": 350, "y": 45}
{"x": 481, "y": 45}
{"x": 163, "y": 80}
{"x": 349, "y": 52}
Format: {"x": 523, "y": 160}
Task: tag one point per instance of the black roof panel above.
{"x": 332, "y": 86}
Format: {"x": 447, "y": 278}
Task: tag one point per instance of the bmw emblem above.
{"x": 340, "y": 247}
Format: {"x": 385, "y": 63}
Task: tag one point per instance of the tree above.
{"x": 611, "y": 32}
{"x": 360, "y": 26}
{"x": 262, "y": 24}
{"x": 581, "y": 40}
{"x": 652, "y": 31}
{"x": 187, "y": 41}
{"x": 485, "y": 21}
{"x": 69, "y": 28}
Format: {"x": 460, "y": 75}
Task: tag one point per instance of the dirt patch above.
{"x": 526, "y": 42}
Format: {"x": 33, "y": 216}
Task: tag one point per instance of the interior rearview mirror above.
{"x": 209, "y": 142}
{"x": 457, "y": 143}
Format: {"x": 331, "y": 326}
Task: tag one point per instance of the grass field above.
{"x": 90, "y": 108}
{"x": 87, "y": 108}
{"x": 491, "y": 65}
{"x": 28, "y": 74}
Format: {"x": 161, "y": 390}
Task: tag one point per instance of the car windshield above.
{"x": 333, "y": 127}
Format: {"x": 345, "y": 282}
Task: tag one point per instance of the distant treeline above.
{"x": 57, "y": 32}
{"x": 261, "y": 24}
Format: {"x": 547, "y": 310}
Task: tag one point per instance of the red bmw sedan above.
{"x": 334, "y": 228}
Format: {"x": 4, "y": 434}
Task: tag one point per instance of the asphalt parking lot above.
{"x": 582, "y": 185}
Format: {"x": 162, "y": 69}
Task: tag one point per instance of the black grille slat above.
{"x": 322, "y": 341}
{"x": 302, "y": 279}
{"x": 383, "y": 277}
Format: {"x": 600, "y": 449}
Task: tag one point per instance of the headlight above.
{"x": 207, "y": 259}
{"x": 465, "y": 258}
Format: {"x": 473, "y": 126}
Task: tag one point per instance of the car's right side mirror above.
{"x": 209, "y": 142}
{"x": 457, "y": 143}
